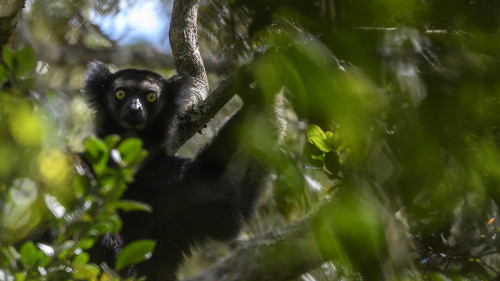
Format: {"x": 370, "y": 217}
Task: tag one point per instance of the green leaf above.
{"x": 107, "y": 180}
{"x": 116, "y": 223}
{"x": 134, "y": 253}
{"x": 25, "y": 61}
{"x": 101, "y": 228}
{"x": 95, "y": 150}
{"x": 85, "y": 271}
{"x": 29, "y": 255}
{"x": 81, "y": 258}
{"x": 97, "y": 153}
{"x": 112, "y": 140}
{"x": 331, "y": 138}
{"x": 129, "y": 205}
{"x": 3, "y": 75}
{"x": 332, "y": 162}
{"x": 20, "y": 276}
{"x": 314, "y": 155}
{"x": 316, "y": 136}
{"x": 22, "y": 62}
{"x": 130, "y": 145}
{"x": 131, "y": 151}
{"x": 80, "y": 185}
{"x": 86, "y": 243}
{"x": 8, "y": 57}
{"x": 66, "y": 249}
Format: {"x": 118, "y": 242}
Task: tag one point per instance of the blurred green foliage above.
{"x": 50, "y": 194}
{"x": 400, "y": 101}
{"x": 394, "y": 136}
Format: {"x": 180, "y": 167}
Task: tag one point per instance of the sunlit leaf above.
{"x": 26, "y": 126}
{"x": 54, "y": 167}
{"x": 86, "y": 243}
{"x": 81, "y": 258}
{"x": 131, "y": 150}
{"x": 112, "y": 140}
{"x": 318, "y": 138}
{"x": 85, "y": 271}
{"x": 20, "y": 276}
{"x": 134, "y": 253}
{"x": 129, "y": 205}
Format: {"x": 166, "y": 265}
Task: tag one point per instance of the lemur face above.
{"x": 131, "y": 99}
{"x": 135, "y": 98}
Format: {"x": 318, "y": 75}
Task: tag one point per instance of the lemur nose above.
{"x": 135, "y": 107}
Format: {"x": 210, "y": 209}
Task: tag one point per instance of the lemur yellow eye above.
{"x": 151, "y": 97}
{"x": 120, "y": 94}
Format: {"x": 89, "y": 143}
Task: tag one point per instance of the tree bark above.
{"x": 198, "y": 116}
{"x": 9, "y": 9}
{"x": 184, "y": 44}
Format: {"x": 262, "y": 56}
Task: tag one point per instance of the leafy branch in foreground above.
{"x": 54, "y": 206}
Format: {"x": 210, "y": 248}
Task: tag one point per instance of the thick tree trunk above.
{"x": 9, "y": 9}
{"x": 184, "y": 44}
{"x": 187, "y": 59}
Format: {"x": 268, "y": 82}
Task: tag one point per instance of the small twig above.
{"x": 489, "y": 267}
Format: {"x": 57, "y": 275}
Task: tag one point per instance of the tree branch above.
{"x": 184, "y": 44}
{"x": 9, "y": 9}
{"x": 198, "y": 116}
{"x": 279, "y": 256}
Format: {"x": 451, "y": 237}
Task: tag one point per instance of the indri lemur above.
{"x": 209, "y": 196}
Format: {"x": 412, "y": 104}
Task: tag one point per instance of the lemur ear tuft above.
{"x": 96, "y": 78}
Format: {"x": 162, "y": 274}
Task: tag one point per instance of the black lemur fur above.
{"x": 210, "y": 196}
